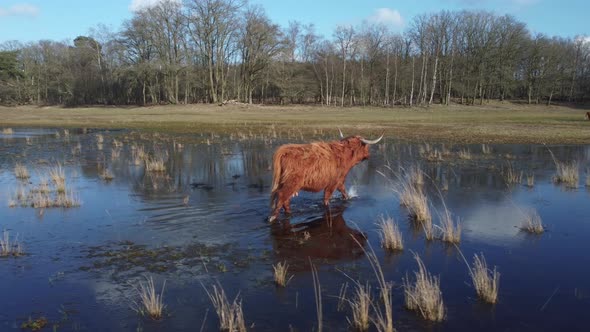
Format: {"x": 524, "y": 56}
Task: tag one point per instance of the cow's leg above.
{"x": 342, "y": 190}
{"x": 328, "y": 194}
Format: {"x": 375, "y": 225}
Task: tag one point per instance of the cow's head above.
{"x": 358, "y": 146}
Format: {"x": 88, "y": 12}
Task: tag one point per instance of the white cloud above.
{"x": 387, "y": 16}
{"x": 21, "y": 9}
{"x": 142, "y": 4}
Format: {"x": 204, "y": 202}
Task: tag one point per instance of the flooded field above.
{"x": 91, "y": 214}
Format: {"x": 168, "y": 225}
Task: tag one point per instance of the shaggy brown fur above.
{"x": 313, "y": 167}
{"x": 587, "y": 115}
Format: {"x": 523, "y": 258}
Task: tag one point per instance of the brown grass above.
{"x": 567, "y": 174}
{"x": 138, "y": 155}
{"x": 532, "y": 223}
{"x": 424, "y": 295}
{"x": 150, "y": 303}
{"x": 485, "y": 281}
{"x": 391, "y": 237}
{"x": 231, "y": 316}
{"x": 155, "y": 164}
{"x": 280, "y": 273}
{"x": 530, "y": 180}
{"x": 7, "y": 131}
{"x": 511, "y": 175}
{"x": 106, "y": 174}
{"x": 21, "y": 171}
{"x": 486, "y": 149}
{"x": 451, "y": 231}
{"x": 491, "y": 123}
{"x": 9, "y": 247}
{"x": 58, "y": 176}
{"x": 464, "y": 154}
{"x": 360, "y": 305}
{"x": 317, "y": 292}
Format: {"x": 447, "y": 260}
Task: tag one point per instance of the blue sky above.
{"x": 31, "y": 20}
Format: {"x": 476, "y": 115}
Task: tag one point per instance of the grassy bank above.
{"x": 492, "y": 123}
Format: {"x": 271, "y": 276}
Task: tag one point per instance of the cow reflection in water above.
{"x": 327, "y": 238}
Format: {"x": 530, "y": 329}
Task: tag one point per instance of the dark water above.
{"x": 81, "y": 264}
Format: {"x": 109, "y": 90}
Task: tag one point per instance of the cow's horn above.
{"x": 341, "y": 134}
{"x": 375, "y": 141}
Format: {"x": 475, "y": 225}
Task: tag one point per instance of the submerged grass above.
{"x": 150, "y": 303}
{"x": 424, "y": 294}
{"x": 391, "y": 237}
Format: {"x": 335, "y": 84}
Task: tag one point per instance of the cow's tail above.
{"x": 276, "y": 177}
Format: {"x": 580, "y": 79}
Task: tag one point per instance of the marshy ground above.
{"x": 198, "y": 219}
{"x": 492, "y": 122}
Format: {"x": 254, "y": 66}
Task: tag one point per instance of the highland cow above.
{"x": 314, "y": 167}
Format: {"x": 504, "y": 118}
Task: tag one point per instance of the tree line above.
{"x": 214, "y": 51}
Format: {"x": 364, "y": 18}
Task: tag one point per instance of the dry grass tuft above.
{"x": 41, "y": 201}
{"x": 150, "y": 303}
{"x": 58, "y": 176}
{"x": 451, "y": 231}
{"x": 7, "y": 131}
{"x": 99, "y": 138}
{"x": 317, "y": 292}
{"x": 412, "y": 197}
{"x": 486, "y": 149}
{"x": 138, "y": 155}
{"x": 530, "y": 180}
{"x": 465, "y": 154}
{"x": 424, "y": 294}
{"x": 155, "y": 164}
{"x": 485, "y": 281}
{"x": 383, "y": 313}
{"x": 10, "y": 247}
{"x": 68, "y": 199}
{"x": 360, "y": 305}
{"x": 231, "y": 316}
{"x": 567, "y": 174}
{"x": 532, "y": 223}
{"x": 511, "y": 175}
{"x": 415, "y": 175}
{"x": 115, "y": 153}
{"x": 20, "y": 171}
{"x": 117, "y": 143}
{"x": 106, "y": 175}
{"x": 280, "y": 273}
{"x": 391, "y": 237}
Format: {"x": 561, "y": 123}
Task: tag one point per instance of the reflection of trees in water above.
{"x": 325, "y": 238}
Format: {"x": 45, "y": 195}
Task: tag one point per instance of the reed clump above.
{"x": 465, "y": 154}
{"x": 532, "y": 223}
{"x": 10, "y": 247}
{"x": 360, "y": 305}
{"x": 424, "y": 294}
{"x": 7, "y": 131}
{"x": 155, "y": 164}
{"x": 451, "y": 231}
{"x": 21, "y": 171}
{"x": 150, "y": 303}
{"x": 280, "y": 274}
{"x": 511, "y": 175}
{"x": 106, "y": 175}
{"x": 567, "y": 174}
{"x": 230, "y": 314}
{"x": 391, "y": 237}
{"x": 485, "y": 281}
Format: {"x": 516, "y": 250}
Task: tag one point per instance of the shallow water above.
{"x": 82, "y": 264}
